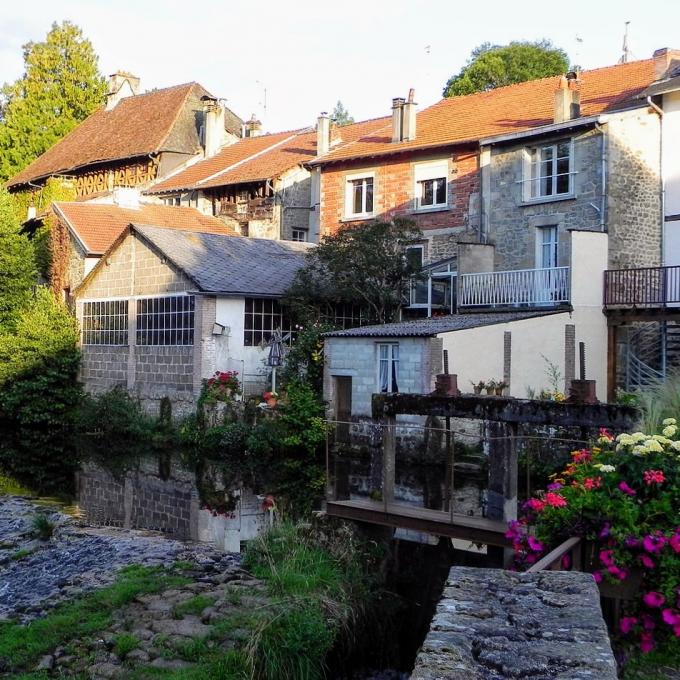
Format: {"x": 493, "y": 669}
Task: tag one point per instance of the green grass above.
{"x": 21, "y": 645}
{"x": 124, "y": 643}
{"x": 652, "y": 666}
{"x": 194, "y": 605}
{"x": 42, "y": 526}
{"x": 20, "y": 554}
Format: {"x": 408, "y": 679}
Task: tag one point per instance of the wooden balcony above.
{"x": 648, "y": 287}
{"x": 519, "y": 288}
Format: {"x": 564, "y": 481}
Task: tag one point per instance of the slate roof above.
{"x": 98, "y": 225}
{"x": 514, "y": 108}
{"x": 229, "y": 265}
{"x": 162, "y": 120}
{"x": 435, "y": 325}
{"x": 259, "y": 158}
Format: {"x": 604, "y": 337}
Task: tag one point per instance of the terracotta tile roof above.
{"x": 98, "y": 225}
{"x": 259, "y": 158}
{"x": 514, "y": 108}
{"x": 136, "y": 126}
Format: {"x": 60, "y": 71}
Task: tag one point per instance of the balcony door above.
{"x": 546, "y": 262}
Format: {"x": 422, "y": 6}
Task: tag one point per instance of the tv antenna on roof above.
{"x": 625, "y": 50}
{"x": 263, "y": 103}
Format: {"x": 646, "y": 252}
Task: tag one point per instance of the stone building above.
{"x": 164, "y": 309}
{"x": 133, "y": 140}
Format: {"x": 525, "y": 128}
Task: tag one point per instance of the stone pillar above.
{"x": 507, "y": 359}
{"x": 569, "y": 355}
{"x": 204, "y": 343}
{"x": 389, "y": 458}
{"x": 502, "y": 494}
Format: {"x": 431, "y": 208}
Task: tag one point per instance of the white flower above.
{"x": 670, "y": 421}
{"x": 653, "y": 446}
{"x": 639, "y": 450}
{"x": 669, "y": 430}
{"x": 638, "y": 436}
{"x": 675, "y": 446}
{"x": 606, "y": 468}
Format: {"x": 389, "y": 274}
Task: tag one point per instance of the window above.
{"x": 166, "y": 320}
{"x": 431, "y": 190}
{"x": 434, "y": 289}
{"x": 172, "y": 200}
{"x": 388, "y": 367}
{"x": 359, "y": 196}
{"x": 262, "y": 318}
{"x": 299, "y": 235}
{"x": 549, "y": 171}
{"x": 105, "y": 323}
{"x": 347, "y": 315}
{"x": 414, "y": 256}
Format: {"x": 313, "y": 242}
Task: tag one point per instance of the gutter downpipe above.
{"x": 603, "y": 172}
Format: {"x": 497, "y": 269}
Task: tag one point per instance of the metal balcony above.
{"x": 644, "y": 287}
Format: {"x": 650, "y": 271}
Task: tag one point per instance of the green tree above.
{"x": 341, "y": 115}
{"x": 61, "y": 86}
{"x": 491, "y": 66}
{"x": 363, "y": 265}
{"x": 17, "y": 266}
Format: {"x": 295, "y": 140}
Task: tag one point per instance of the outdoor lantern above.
{"x": 218, "y": 328}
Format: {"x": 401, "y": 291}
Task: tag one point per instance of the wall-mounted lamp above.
{"x": 218, "y": 329}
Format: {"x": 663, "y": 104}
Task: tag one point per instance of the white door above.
{"x": 546, "y": 262}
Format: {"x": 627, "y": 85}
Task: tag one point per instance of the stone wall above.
{"x": 634, "y": 196}
{"x": 103, "y": 367}
{"x": 296, "y": 197}
{"x": 500, "y": 624}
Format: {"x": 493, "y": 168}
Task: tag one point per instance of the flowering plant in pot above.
{"x": 622, "y": 496}
{"x": 223, "y": 386}
{"x": 490, "y": 386}
{"x": 477, "y": 387}
{"x": 500, "y": 386}
{"x": 270, "y": 398}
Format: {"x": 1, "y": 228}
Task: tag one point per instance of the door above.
{"x": 546, "y": 263}
{"x": 343, "y": 407}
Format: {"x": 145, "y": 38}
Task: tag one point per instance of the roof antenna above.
{"x": 625, "y": 50}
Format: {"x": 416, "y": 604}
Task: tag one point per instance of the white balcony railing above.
{"x": 522, "y": 287}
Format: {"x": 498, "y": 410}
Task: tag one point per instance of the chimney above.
{"x": 664, "y": 60}
{"x": 567, "y": 98}
{"x": 213, "y": 126}
{"x": 397, "y": 118}
{"x": 253, "y": 127}
{"x": 323, "y": 134}
{"x": 121, "y": 85}
{"x": 408, "y": 123}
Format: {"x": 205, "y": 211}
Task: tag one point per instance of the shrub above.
{"x": 42, "y": 526}
{"x": 624, "y": 495}
{"x": 124, "y": 643}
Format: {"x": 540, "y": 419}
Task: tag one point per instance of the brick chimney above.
{"x": 397, "y": 118}
{"x": 121, "y": 85}
{"x": 213, "y": 127}
{"x": 664, "y": 60}
{"x": 253, "y": 127}
{"x": 323, "y": 134}
{"x": 567, "y": 98}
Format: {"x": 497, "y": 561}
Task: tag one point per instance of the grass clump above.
{"x": 20, "y": 554}
{"x": 124, "y": 643}
{"x": 194, "y": 605}
{"x": 21, "y": 645}
{"x": 43, "y": 528}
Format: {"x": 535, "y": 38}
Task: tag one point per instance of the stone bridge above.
{"x": 492, "y": 625}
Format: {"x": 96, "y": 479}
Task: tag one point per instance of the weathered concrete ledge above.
{"x": 492, "y": 624}
{"x": 506, "y": 409}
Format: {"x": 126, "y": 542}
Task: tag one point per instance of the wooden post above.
{"x": 389, "y": 459}
{"x": 612, "y": 351}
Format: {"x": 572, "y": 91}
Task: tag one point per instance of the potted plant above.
{"x": 270, "y": 398}
{"x": 478, "y": 387}
{"x": 490, "y": 386}
{"x": 500, "y": 387}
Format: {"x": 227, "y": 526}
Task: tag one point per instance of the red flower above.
{"x": 591, "y": 483}
{"x": 534, "y": 504}
{"x": 654, "y": 477}
{"x": 555, "y": 500}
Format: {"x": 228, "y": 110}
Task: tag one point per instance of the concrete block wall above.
{"x": 102, "y": 368}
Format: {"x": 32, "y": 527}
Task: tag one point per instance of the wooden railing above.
{"x": 521, "y": 287}
{"x": 648, "y": 286}
{"x": 553, "y": 560}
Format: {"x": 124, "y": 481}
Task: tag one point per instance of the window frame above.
{"x": 283, "y": 322}
{"x": 144, "y": 329}
{"x": 349, "y": 214}
{"x": 303, "y": 232}
{"x": 529, "y": 181}
{"x": 122, "y": 332}
{"x": 431, "y": 171}
{"x": 393, "y": 376}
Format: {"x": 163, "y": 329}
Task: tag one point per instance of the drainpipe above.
{"x": 659, "y": 111}
{"x": 603, "y": 172}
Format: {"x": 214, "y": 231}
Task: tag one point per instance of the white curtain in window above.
{"x": 384, "y": 367}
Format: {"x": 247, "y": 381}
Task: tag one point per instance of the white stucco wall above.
{"x": 671, "y": 175}
{"x": 477, "y": 353}
{"x": 230, "y": 352}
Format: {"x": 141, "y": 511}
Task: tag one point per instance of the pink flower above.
{"x": 531, "y": 558}
{"x": 627, "y": 624}
{"x": 534, "y": 504}
{"x": 653, "y": 544}
{"x": 670, "y": 617}
{"x": 565, "y": 562}
{"x": 535, "y": 544}
{"x": 581, "y": 456}
{"x": 653, "y": 599}
{"x": 648, "y": 622}
{"x": 597, "y": 577}
{"x": 626, "y": 489}
{"x": 617, "y": 572}
{"x": 606, "y": 434}
{"x": 647, "y": 562}
{"x": 632, "y": 542}
{"x": 591, "y": 483}
{"x": 555, "y": 486}
{"x": 654, "y": 477}
{"x": 674, "y": 541}
{"x": 607, "y": 557}
{"x": 555, "y": 500}
{"x": 604, "y": 532}
{"x": 646, "y": 642}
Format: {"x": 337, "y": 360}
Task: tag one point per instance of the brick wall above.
{"x": 394, "y": 196}
{"x": 102, "y": 368}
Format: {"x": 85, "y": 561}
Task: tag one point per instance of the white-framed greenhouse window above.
{"x": 360, "y": 195}
{"x": 548, "y": 171}
{"x": 388, "y": 366}
{"x": 431, "y": 189}
{"x": 105, "y": 322}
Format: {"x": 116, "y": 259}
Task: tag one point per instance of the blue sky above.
{"x": 308, "y": 54}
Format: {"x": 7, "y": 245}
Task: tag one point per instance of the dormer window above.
{"x": 431, "y": 186}
{"x": 548, "y": 171}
